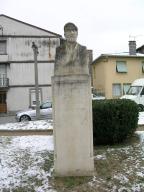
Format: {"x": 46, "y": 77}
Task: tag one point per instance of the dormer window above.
{"x": 3, "y": 47}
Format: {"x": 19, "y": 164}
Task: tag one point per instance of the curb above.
{"x": 6, "y": 132}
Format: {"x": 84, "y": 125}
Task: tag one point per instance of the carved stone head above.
{"x": 70, "y": 32}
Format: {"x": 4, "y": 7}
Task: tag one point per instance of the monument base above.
{"x": 73, "y": 134}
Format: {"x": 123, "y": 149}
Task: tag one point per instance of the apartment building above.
{"x": 112, "y": 74}
{"x": 17, "y": 77}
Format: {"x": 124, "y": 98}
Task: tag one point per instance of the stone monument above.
{"x": 72, "y": 108}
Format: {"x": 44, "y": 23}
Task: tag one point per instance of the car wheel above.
{"x": 25, "y": 118}
{"x": 141, "y": 108}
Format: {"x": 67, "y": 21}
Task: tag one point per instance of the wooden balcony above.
{"x": 4, "y": 82}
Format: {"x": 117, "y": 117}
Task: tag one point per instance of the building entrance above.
{"x": 3, "y": 105}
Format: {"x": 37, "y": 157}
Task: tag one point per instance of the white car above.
{"x": 30, "y": 114}
{"x": 97, "y": 97}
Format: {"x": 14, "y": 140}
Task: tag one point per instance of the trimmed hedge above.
{"x": 114, "y": 120}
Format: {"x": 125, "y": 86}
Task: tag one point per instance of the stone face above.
{"x": 71, "y": 58}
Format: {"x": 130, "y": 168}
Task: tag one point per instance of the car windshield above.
{"x": 94, "y": 95}
{"x": 46, "y": 105}
{"x": 134, "y": 90}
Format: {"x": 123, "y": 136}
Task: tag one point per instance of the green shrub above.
{"x": 114, "y": 120}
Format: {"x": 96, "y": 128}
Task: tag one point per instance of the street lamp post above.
{"x": 35, "y": 50}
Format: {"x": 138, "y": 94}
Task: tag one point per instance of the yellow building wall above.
{"x": 106, "y": 74}
{"x": 99, "y": 76}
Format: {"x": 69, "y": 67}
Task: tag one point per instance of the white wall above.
{"x": 15, "y": 27}
{"x": 23, "y": 73}
{"x": 18, "y": 98}
{"x": 20, "y": 60}
{"x": 47, "y": 93}
{"x": 20, "y": 49}
{"x": 45, "y": 72}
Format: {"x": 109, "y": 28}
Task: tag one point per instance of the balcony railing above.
{"x": 4, "y": 82}
{"x": 4, "y": 58}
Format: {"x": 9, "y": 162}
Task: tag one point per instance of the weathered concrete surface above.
{"x": 71, "y": 58}
{"x": 73, "y": 138}
{"x": 72, "y": 108}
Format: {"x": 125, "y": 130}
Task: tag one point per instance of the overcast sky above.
{"x": 105, "y": 26}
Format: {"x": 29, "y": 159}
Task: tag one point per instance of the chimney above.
{"x": 132, "y": 47}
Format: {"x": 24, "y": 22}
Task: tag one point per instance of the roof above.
{"x": 56, "y": 34}
{"x": 119, "y": 55}
{"x": 139, "y": 48}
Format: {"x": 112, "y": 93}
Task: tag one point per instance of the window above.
{"x": 2, "y": 47}
{"x": 2, "y": 69}
{"x": 134, "y": 90}
{"x": 46, "y": 105}
{"x": 116, "y": 90}
{"x": 121, "y": 67}
{"x": 2, "y": 98}
{"x": 33, "y": 96}
{"x": 142, "y": 92}
{"x": 3, "y": 75}
{"x": 142, "y": 66}
{"x": 126, "y": 87}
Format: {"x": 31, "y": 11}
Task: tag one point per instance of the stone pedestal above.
{"x": 73, "y": 134}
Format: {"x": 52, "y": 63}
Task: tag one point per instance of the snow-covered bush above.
{"x": 114, "y": 120}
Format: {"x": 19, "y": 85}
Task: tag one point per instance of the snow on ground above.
{"x": 141, "y": 118}
{"x": 22, "y": 162}
{"x": 120, "y": 168}
{"x": 44, "y": 124}
{"x": 26, "y": 162}
{"x": 30, "y": 125}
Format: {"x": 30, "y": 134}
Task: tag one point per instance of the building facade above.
{"x": 112, "y": 74}
{"x": 17, "y": 77}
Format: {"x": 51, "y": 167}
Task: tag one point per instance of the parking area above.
{"x": 9, "y": 127}
{"x": 7, "y": 119}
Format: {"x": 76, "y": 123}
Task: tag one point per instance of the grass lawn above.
{"x": 26, "y": 165}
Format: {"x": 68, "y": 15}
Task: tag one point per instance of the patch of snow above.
{"x": 141, "y": 135}
{"x": 138, "y": 187}
{"x": 122, "y": 178}
{"x": 140, "y": 174}
{"x": 141, "y": 118}
{"x": 123, "y": 189}
{"x": 34, "y": 143}
{"x": 30, "y": 125}
{"x": 100, "y": 157}
{"x": 21, "y": 158}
